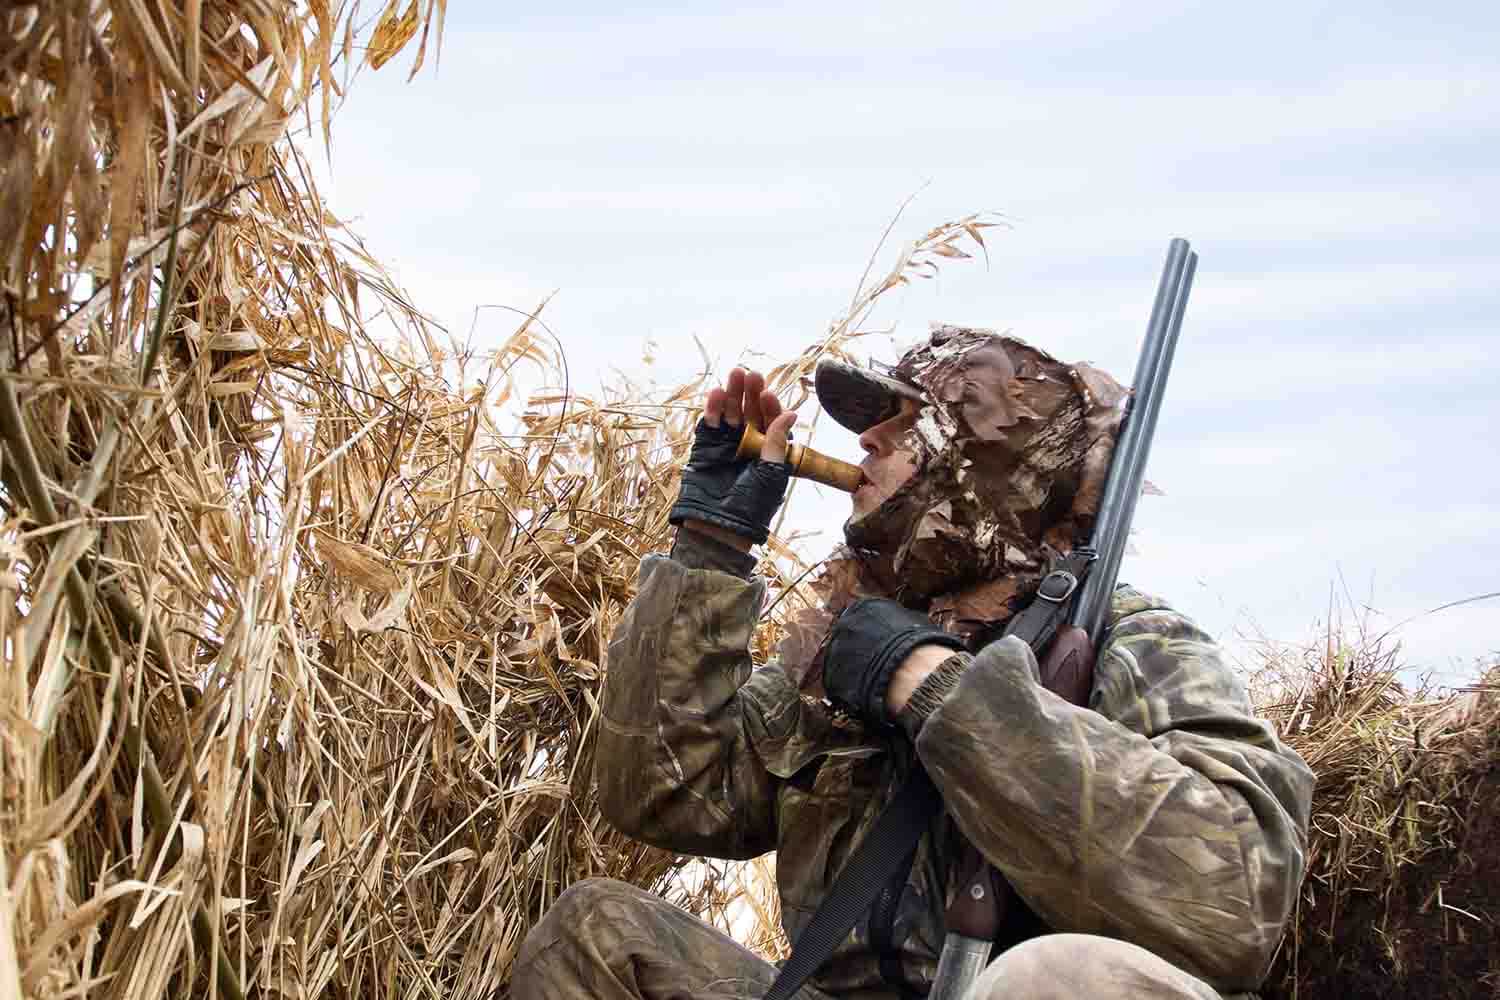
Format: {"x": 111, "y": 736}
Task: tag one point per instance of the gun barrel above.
{"x": 1127, "y": 468}
{"x": 806, "y": 463}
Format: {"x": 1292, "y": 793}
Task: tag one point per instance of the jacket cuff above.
{"x": 696, "y": 550}
{"x": 932, "y": 692}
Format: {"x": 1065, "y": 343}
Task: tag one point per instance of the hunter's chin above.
{"x": 878, "y": 522}
{"x": 863, "y": 500}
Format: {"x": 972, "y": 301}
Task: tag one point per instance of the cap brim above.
{"x": 858, "y": 398}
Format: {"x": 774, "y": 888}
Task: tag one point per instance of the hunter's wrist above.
{"x": 717, "y": 533}
{"x": 917, "y": 666}
{"x": 934, "y": 689}
{"x": 696, "y": 550}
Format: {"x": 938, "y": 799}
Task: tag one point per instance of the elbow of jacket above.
{"x": 626, "y": 816}
{"x": 1243, "y": 958}
{"x": 644, "y": 817}
{"x": 1238, "y": 957}
{"x": 633, "y": 807}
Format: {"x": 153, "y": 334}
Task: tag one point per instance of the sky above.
{"x": 1327, "y": 441}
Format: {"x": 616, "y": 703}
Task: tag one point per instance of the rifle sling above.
{"x": 857, "y": 884}
{"x": 1039, "y": 620}
{"x": 900, "y": 827}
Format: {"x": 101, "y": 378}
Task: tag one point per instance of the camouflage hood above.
{"x": 1011, "y": 454}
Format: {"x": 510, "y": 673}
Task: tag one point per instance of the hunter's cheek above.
{"x": 886, "y": 477}
{"x": 904, "y": 468}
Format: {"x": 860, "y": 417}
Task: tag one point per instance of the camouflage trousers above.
{"x": 606, "y": 940}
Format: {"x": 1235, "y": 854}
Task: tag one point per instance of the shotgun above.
{"x": 1063, "y": 625}
{"x": 1065, "y": 622}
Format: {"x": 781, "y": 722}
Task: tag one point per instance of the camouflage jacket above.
{"x": 1165, "y": 814}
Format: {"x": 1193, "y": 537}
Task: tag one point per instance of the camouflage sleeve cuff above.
{"x": 932, "y": 692}
{"x": 696, "y": 550}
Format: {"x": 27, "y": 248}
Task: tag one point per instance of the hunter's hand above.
{"x": 734, "y": 500}
{"x": 870, "y": 642}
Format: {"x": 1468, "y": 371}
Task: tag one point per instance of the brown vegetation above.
{"x": 303, "y": 627}
{"x": 301, "y": 647}
{"x": 1402, "y": 896}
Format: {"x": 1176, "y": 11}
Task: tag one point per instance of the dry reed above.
{"x": 1402, "y": 896}
{"x": 303, "y": 632}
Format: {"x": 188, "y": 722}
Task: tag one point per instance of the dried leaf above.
{"x": 357, "y": 563}
{"x": 390, "y": 613}
{"x": 392, "y": 33}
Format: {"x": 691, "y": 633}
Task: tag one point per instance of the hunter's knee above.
{"x": 1057, "y": 966}
{"x": 580, "y": 899}
{"x": 565, "y": 919}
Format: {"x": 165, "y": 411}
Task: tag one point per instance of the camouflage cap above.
{"x": 859, "y": 398}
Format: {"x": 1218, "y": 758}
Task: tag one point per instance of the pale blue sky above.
{"x": 726, "y": 174}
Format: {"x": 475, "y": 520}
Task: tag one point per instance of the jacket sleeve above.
{"x": 676, "y": 763}
{"x": 1166, "y": 813}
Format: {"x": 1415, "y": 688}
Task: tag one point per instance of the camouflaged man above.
{"x": 1151, "y": 844}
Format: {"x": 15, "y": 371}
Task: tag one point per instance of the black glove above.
{"x": 868, "y": 642}
{"x": 738, "y": 495}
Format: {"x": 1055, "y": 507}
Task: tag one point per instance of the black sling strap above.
{"x": 1039, "y": 620}
{"x": 854, "y": 890}
{"x": 882, "y": 925}
{"x": 898, "y": 829}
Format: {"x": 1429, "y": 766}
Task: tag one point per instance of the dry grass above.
{"x": 1403, "y": 889}
{"x": 303, "y": 623}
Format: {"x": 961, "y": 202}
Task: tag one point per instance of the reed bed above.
{"x": 1402, "y": 896}
{"x": 304, "y": 608}
{"x": 301, "y": 647}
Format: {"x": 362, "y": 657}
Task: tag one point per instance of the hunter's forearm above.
{"x": 1180, "y": 827}
{"x": 675, "y": 765}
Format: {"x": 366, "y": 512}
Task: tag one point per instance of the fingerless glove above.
{"x": 739, "y": 495}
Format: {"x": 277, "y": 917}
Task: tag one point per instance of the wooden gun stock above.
{"x": 1068, "y": 669}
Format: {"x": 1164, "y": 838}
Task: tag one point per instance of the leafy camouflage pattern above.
{"x": 1166, "y": 814}
{"x": 1011, "y": 456}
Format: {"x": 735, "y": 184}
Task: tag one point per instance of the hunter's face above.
{"x": 889, "y": 461}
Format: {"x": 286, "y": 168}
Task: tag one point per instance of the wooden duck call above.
{"x": 806, "y": 463}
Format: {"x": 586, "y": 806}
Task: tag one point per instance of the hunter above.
{"x": 1151, "y": 844}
